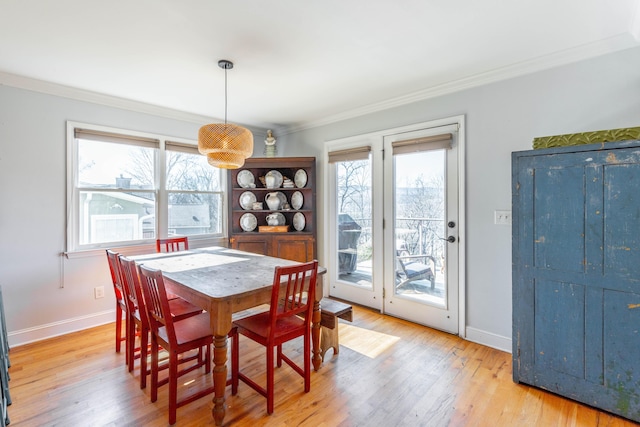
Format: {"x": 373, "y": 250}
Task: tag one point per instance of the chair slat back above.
{"x": 172, "y": 244}
{"x": 131, "y": 282}
{"x": 116, "y": 275}
{"x": 293, "y": 291}
{"x": 156, "y": 301}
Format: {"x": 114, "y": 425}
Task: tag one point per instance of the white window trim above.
{"x": 73, "y": 250}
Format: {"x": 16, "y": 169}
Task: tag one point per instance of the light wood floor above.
{"x": 389, "y": 373}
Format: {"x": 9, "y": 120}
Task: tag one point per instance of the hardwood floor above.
{"x": 389, "y": 373}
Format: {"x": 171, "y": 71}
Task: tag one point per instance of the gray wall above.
{"x": 46, "y": 294}
{"x": 602, "y": 93}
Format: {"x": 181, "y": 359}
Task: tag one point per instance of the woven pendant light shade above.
{"x": 228, "y": 162}
{"x": 226, "y": 145}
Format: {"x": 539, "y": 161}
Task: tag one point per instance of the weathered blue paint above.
{"x": 576, "y": 273}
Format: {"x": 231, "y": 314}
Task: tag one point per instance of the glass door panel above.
{"x": 355, "y": 244}
{"x": 355, "y": 249}
{"x": 419, "y": 225}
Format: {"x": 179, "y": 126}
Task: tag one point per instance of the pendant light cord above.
{"x": 225, "y": 96}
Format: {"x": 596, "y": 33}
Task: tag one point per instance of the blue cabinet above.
{"x": 576, "y": 273}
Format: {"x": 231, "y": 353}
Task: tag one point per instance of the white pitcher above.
{"x": 273, "y": 219}
{"x": 273, "y": 201}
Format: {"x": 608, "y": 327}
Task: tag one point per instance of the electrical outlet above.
{"x": 502, "y": 217}
{"x": 98, "y": 292}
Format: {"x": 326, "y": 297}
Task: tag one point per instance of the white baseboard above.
{"x": 38, "y": 333}
{"x": 490, "y": 340}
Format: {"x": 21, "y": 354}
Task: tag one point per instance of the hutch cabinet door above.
{"x": 295, "y": 248}
{"x": 255, "y": 244}
{"x": 576, "y": 273}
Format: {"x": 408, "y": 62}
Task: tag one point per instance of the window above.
{"x": 127, "y": 188}
{"x": 194, "y": 205}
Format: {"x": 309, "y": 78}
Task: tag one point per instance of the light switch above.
{"x": 502, "y": 217}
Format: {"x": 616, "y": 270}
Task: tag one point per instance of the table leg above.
{"x": 219, "y": 377}
{"x": 315, "y": 336}
{"x": 220, "y": 325}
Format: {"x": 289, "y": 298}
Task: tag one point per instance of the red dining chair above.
{"x": 172, "y": 244}
{"x": 121, "y": 306}
{"x": 289, "y": 317}
{"x": 176, "y": 337}
{"x": 138, "y": 321}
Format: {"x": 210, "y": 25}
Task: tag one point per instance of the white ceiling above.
{"x": 297, "y": 63}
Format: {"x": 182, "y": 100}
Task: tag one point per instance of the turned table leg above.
{"x": 219, "y": 378}
{"x": 315, "y": 336}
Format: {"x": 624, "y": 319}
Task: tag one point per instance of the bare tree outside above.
{"x": 191, "y": 181}
{"x": 354, "y": 188}
{"x": 354, "y": 205}
{"x": 420, "y": 207}
{"x": 419, "y": 210}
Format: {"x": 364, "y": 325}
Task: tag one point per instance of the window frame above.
{"x": 161, "y": 220}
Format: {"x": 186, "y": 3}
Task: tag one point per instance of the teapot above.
{"x": 273, "y": 219}
{"x": 273, "y": 201}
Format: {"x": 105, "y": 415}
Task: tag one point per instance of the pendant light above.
{"x": 225, "y": 145}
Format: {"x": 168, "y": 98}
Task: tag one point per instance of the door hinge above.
{"x": 384, "y": 292}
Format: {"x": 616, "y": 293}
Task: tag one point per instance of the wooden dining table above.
{"x": 224, "y": 281}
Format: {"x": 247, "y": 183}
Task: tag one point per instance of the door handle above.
{"x": 449, "y": 239}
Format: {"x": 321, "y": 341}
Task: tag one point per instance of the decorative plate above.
{"x": 299, "y": 221}
{"x": 248, "y": 222}
{"x": 277, "y": 179}
{"x": 300, "y": 178}
{"x": 246, "y": 200}
{"x": 246, "y": 179}
{"x": 297, "y": 200}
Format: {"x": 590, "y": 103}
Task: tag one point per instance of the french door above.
{"x": 355, "y": 217}
{"x": 395, "y": 222}
{"x": 421, "y": 212}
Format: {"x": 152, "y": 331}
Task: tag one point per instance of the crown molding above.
{"x": 63, "y": 91}
{"x": 55, "y": 89}
{"x": 616, "y": 43}
{"x": 613, "y": 44}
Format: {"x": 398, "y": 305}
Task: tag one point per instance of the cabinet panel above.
{"x": 254, "y": 244}
{"x": 576, "y": 280}
{"x": 560, "y": 191}
{"x": 296, "y": 248}
{"x": 622, "y": 229}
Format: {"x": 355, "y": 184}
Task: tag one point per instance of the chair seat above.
{"x": 415, "y": 269}
{"x": 259, "y": 325}
{"x": 190, "y": 329}
{"x": 181, "y": 308}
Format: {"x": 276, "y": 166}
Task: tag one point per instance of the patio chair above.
{"x": 416, "y": 267}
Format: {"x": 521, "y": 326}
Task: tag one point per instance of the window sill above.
{"x": 144, "y": 249}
